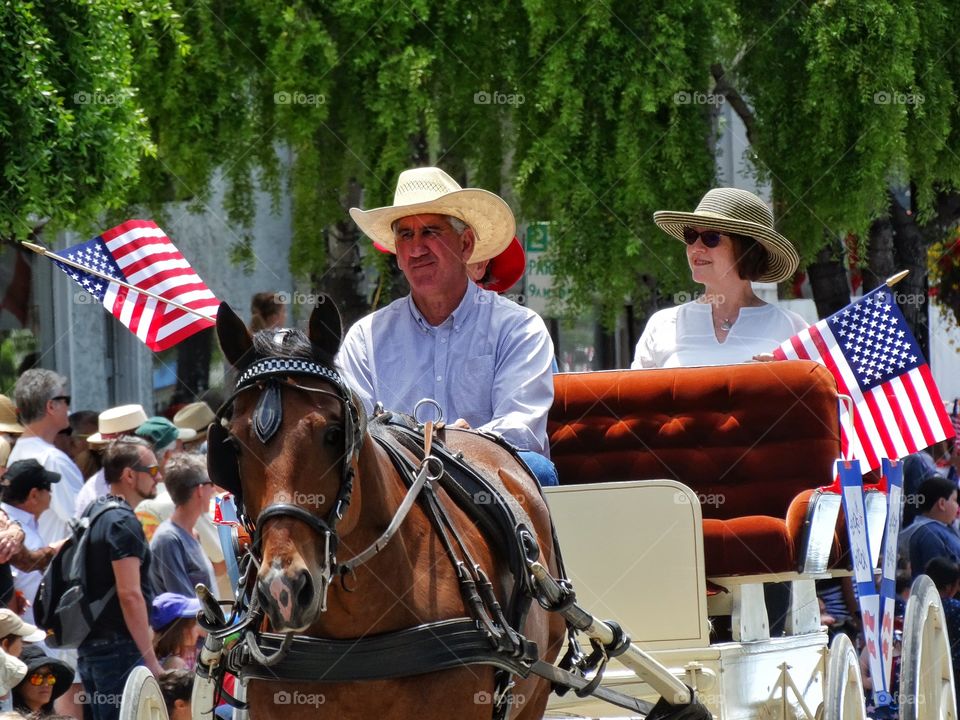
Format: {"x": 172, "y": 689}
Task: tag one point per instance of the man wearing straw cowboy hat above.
{"x": 485, "y": 360}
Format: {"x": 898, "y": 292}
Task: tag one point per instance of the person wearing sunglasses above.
{"x": 43, "y": 404}
{"x": 47, "y": 679}
{"x": 730, "y": 243}
{"x": 179, "y": 562}
{"x": 118, "y": 568}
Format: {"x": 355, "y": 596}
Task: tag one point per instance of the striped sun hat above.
{"x": 729, "y": 210}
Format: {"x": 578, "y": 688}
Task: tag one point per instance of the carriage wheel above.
{"x": 926, "y": 670}
{"x": 843, "y": 697}
{"x": 142, "y": 699}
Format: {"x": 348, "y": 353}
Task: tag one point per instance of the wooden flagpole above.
{"x": 40, "y": 250}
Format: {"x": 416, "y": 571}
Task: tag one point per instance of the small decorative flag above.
{"x": 875, "y": 359}
{"x": 140, "y": 254}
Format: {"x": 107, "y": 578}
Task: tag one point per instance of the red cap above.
{"x": 506, "y": 268}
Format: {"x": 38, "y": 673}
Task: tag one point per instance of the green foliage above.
{"x": 851, "y": 97}
{"x": 611, "y": 139}
{"x": 579, "y": 113}
{"x": 72, "y": 129}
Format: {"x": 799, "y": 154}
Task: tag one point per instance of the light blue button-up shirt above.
{"x": 488, "y": 363}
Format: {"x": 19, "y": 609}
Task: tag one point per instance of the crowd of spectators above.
{"x": 142, "y": 482}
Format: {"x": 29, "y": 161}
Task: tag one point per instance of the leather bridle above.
{"x": 270, "y": 375}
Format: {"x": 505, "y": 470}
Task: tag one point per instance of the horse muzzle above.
{"x": 290, "y": 597}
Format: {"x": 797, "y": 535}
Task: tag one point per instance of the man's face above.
{"x": 59, "y": 409}
{"x": 431, "y": 255}
{"x": 145, "y": 477}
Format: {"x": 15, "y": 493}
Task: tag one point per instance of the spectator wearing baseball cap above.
{"x": 12, "y": 671}
{"x": 14, "y": 632}
{"x": 174, "y": 620}
{"x": 27, "y": 493}
{"x": 163, "y": 435}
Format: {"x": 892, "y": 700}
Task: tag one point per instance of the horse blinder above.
{"x": 223, "y": 460}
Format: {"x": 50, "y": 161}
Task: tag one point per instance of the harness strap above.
{"x": 419, "y": 650}
{"x": 423, "y": 475}
{"x": 414, "y": 651}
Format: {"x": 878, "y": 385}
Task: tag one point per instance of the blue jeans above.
{"x": 543, "y": 470}
{"x": 104, "y": 667}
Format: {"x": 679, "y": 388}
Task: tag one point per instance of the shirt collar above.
{"x": 21, "y": 516}
{"x": 458, "y": 317}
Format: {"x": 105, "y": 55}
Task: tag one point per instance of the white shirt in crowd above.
{"x": 26, "y": 582}
{"x": 54, "y": 521}
{"x": 95, "y": 487}
{"x": 683, "y": 336}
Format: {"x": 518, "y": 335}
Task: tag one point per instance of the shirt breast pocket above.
{"x": 472, "y": 394}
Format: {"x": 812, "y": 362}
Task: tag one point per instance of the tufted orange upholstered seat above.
{"x": 752, "y": 441}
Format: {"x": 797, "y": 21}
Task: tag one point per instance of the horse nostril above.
{"x": 303, "y": 589}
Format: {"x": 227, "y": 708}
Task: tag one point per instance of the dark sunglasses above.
{"x": 65, "y": 398}
{"x": 151, "y": 470}
{"x": 709, "y": 238}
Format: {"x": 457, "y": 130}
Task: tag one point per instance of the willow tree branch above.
{"x": 733, "y": 96}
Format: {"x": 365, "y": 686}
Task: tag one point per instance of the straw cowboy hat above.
{"x": 8, "y": 417}
{"x": 196, "y": 416}
{"x": 430, "y": 191}
{"x": 120, "y": 420}
{"x": 730, "y": 210}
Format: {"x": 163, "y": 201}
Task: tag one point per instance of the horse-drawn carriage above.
{"x": 683, "y": 494}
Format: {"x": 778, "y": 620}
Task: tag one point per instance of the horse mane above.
{"x": 290, "y": 343}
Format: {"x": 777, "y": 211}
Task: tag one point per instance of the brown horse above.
{"x": 299, "y": 453}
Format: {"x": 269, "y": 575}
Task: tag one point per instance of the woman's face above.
{"x": 712, "y": 266}
{"x": 36, "y": 696}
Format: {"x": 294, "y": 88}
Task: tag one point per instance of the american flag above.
{"x": 875, "y": 359}
{"x": 140, "y": 254}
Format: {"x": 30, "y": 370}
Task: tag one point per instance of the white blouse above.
{"x": 683, "y": 336}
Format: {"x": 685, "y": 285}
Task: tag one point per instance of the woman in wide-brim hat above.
{"x": 47, "y": 679}
{"x": 730, "y": 242}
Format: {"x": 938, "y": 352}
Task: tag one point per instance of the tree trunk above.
{"x": 910, "y": 253}
{"x": 880, "y": 261}
{"x": 344, "y": 271}
{"x": 193, "y": 366}
{"x": 828, "y": 279}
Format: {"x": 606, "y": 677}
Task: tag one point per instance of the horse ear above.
{"x": 326, "y": 328}
{"x": 235, "y": 340}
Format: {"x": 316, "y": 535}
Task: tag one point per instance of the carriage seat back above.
{"x": 752, "y": 441}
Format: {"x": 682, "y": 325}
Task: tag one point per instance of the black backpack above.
{"x": 62, "y": 607}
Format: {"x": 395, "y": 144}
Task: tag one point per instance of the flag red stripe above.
{"x": 925, "y": 428}
{"x": 125, "y": 227}
{"x": 827, "y": 359}
{"x": 799, "y": 349}
{"x": 155, "y": 257}
{"x": 880, "y": 425}
{"x": 934, "y": 394}
{"x": 155, "y": 324}
{"x": 896, "y": 408}
{"x": 779, "y": 354}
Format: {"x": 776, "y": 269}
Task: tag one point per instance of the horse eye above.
{"x": 334, "y": 436}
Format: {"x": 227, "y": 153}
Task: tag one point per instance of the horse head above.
{"x": 289, "y": 453}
